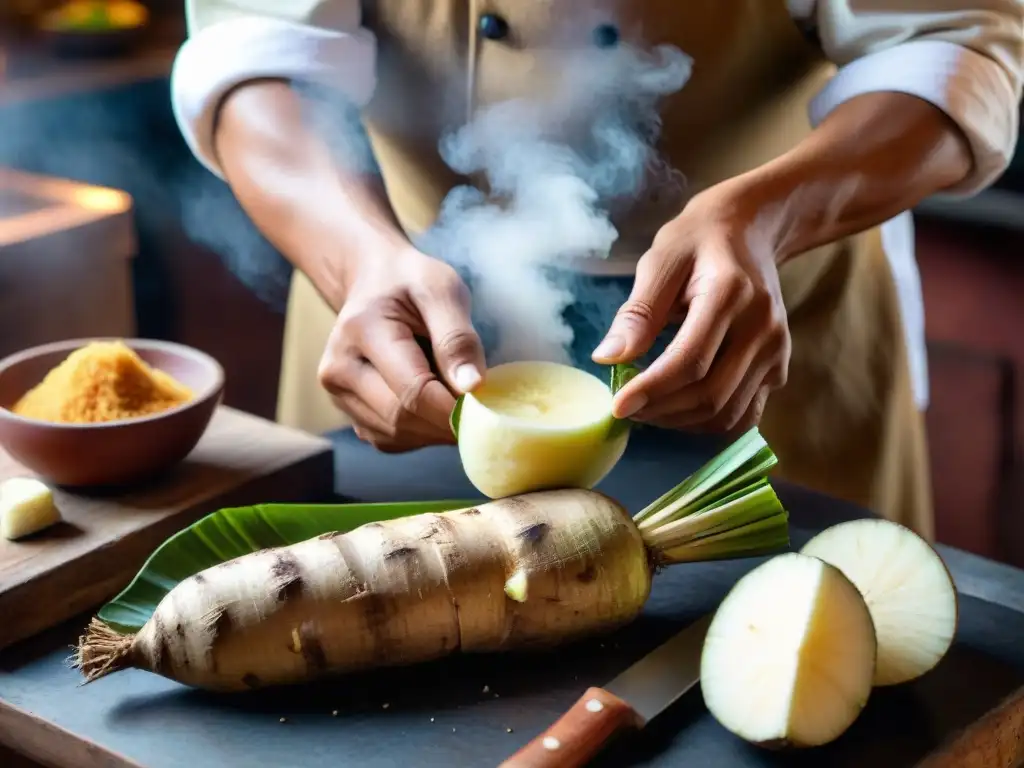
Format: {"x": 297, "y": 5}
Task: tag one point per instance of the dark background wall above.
{"x": 126, "y": 138}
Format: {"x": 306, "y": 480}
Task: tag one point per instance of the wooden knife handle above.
{"x": 578, "y": 735}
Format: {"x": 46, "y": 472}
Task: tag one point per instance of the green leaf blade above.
{"x": 727, "y": 508}
{"x": 621, "y": 375}
{"x": 453, "y": 420}
{"x": 748, "y": 452}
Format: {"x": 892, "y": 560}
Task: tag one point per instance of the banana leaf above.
{"x": 230, "y": 533}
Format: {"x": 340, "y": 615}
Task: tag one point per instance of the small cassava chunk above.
{"x": 26, "y": 507}
{"x": 398, "y": 592}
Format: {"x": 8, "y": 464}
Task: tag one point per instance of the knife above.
{"x": 628, "y": 702}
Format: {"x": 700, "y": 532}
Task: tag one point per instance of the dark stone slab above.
{"x": 457, "y": 712}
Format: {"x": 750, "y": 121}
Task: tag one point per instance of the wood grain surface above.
{"x": 993, "y": 741}
{"x": 28, "y": 734}
{"x": 106, "y": 537}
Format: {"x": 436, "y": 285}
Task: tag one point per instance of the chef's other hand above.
{"x": 708, "y": 267}
{"x": 373, "y": 366}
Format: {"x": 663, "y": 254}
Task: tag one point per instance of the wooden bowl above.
{"x": 117, "y": 452}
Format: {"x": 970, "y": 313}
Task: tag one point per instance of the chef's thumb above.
{"x": 641, "y": 318}
{"x": 458, "y": 351}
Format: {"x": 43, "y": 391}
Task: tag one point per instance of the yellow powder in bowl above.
{"x": 102, "y": 381}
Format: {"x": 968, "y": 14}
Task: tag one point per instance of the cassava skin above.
{"x": 393, "y": 593}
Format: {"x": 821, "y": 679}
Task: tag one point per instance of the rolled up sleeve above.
{"x": 231, "y": 43}
{"x": 966, "y": 57}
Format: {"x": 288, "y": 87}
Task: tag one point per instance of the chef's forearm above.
{"x": 872, "y": 158}
{"x": 320, "y": 215}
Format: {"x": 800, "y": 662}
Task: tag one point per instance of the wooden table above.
{"x": 441, "y": 714}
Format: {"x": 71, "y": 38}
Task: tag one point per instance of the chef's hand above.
{"x": 709, "y": 268}
{"x": 373, "y": 366}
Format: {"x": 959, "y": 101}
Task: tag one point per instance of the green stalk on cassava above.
{"x": 726, "y": 509}
{"x": 286, "y": 594}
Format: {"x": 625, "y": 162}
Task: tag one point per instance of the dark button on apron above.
{"x": 606, "y": 36}
{"x": 493, "y": 27}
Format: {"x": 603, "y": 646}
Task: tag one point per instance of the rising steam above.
{"x": 555, "y": 168}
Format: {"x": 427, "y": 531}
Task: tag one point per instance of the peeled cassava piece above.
{"x": 789, "y": 655}
{"x": 534, "y": 426}
{"x": 26, "y": 507}
{"x": 526, "y": 571}
{"x": 906, "y": 586}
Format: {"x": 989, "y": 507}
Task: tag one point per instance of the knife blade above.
{"x": 630, "y": 701}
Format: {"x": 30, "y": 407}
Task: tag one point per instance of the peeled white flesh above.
{"x": 517, "y": 586}
{"x": 535, "y": 425}
{"x": 906, "y": 586}
{"x": 26, "y": 507}
{"x": 789, "y": 654}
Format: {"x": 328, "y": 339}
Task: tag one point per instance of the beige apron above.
{"x": 846, "y": 424}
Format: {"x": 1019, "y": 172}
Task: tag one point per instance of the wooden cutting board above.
{"x": 105, "y": 539}
{"x": 994, "y": 741}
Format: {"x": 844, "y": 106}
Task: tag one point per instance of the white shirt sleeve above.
{"x": 966, "y": 57}
{"x": 235, "y": 41}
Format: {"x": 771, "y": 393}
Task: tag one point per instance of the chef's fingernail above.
{"x": 613, "y": 346}
{"x": 631, "y": 405}
{"x": 466, "y": 377}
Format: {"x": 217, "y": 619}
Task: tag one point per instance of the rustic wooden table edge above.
{"x": 35, "y": 738}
